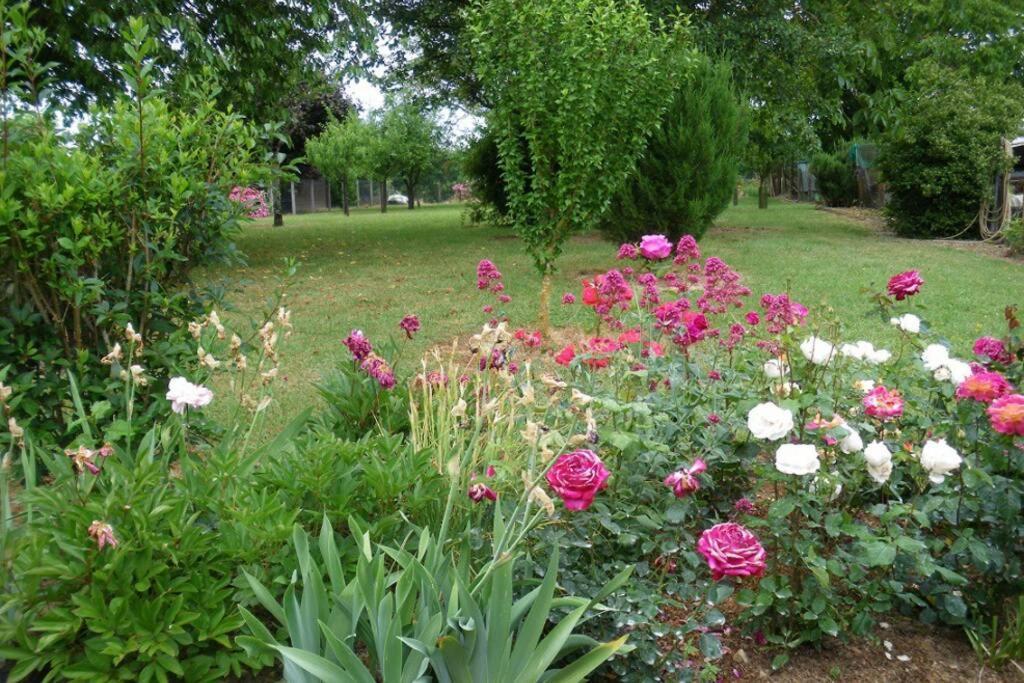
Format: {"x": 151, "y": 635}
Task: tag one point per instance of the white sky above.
{"x": 368, "y": 96}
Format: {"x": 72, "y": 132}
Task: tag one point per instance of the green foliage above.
{"x": 940, "y": 158}
{"x": 687, "y": 173}
{"x": 836, "y": 178}
{"x": 483, "y": 166}
{"x": 1001, "y": 642}
{"x": 576, "y": 88}
{"x": 101, "y": 227}
{"x": 339, "y": 152}
{"x": 426, "y": 613}
{"x": 1013, "y": 235}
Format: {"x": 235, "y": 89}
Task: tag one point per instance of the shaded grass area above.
{"x": 369, "y": 269}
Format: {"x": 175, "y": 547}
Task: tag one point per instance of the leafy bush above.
{"x": 688, "y": 170}
{"x": 941, "y": 156}
{"x": 101, "y": 226}
{"x": 1013, "y": 235}
{"x": 483, "y": 168}
{"x": 836, "y": 178}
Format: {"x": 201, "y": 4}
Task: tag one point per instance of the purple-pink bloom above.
{"x": 358, "y": 344}
{"x": 992, "y": 349}
{"x": 410, "y": 324}
{"x": 687, "y": 250}
{"x": 568, "y": 298}
{"x": 907, "y": 283}
{"x": 577, "y": 477}
{"x": 684, "y": 482}
{"x": 478, "y": 492}
{"x": 732, "y": 550}
{"x": 655, "y": 247}
{"x": 103, "y": 534}
{"x": 627, "y": 251}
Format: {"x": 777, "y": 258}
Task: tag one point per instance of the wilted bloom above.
{"x": 984, "y": 386}
{"x": 358, "y": 344}
{"x": 769, "y": 421}
{"x": 684, "y": 482}
{"x": 103, "y": 534}
{"x": 744, "y": 506}
{"x": 883, "y": 404}
{"x": 939, "y": 459}
{"x": 1007, "y": 415}
{"x": 905, "y": 284}
{"x": 628, "y": 251}
{"x": 83, "y": 458}
{"x": 410, "y": 324}
{"x": 577, "y": 477}
{"x": 183, "y": 394}
{"x": 568, "y": 298}
{"x": 655, "y": 247}
{"x": 114, "y": 355}
{"x": 992, "y": 349}
{"x": 478, "y": 492}
{"x": 795, "y": 458}
{"x": 131, "y": 335}
{"x": 731, "y": 550}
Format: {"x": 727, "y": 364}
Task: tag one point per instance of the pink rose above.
{"x": 993, "y": 349}
{"x": 883, "y": 404}
{"x": 577, "y": 477}
{"x": 1007, "y": 415}
{"x": 684, "y": 482}
{"x": 731, "y": 550}
{"x": 655, "y": 247}
{"x": 905, "y": 284}
{"x": 984, "y": 386}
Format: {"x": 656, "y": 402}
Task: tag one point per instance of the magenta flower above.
{"x": 628, "y": 251}
{"x": 504, "y": 298}
{"x": 684, "y": 482}
{"x": 907, "y": 283}
{"x": 1007, "y": 415}
{"x": 731, "y": 550}
{"x": 358, "y": 344}
{"x": 568, "y": 298}
{"x": 486, "y": 272}
{"x": 378, "y": 368}
{"x": 577, "y": 477}
{"x": 744, "y": 506}
{"x": 780, "y": 312}
{"x": 883, "y": 404}
{"x": 984, "y": 386}
{"x": 410, "y": 324}
{"x": 753, "y": 318}
{"x": 478, "y": 492}
{"x": 993, "y": 349}
{"x": 687, "y": 250}
{"x": 103, "y": 534}
{"x": 655, "y": 247}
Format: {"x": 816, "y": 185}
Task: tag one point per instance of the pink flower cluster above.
{"x": 461, "y": 191}
{"x": 489, "y": 277}
{"x": 722, "y": 287}
{"x": 358, "y": 345}
{"x": 529, "y": 339}
{"x": 479, "y": 491}
{"x": 993, "y": 350}
{"x": 378, "y": 368}
{"x": 254, "y": 200}
{"x": 687, "y": 250}
{"x": 780, "y": 312}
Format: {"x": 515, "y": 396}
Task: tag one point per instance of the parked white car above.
{"x": 397, "y": 198}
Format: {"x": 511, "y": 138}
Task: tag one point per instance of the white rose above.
{"x": 817, "y": 350}
{"x": 908, "y": 322}
{"x": 775, "y": 368}
{"x": 795, "y": 458}
{"x": 769, "y": 421}
{"x": 878, "y": 356}
{"x": 939, "y": 459}
{"x": 851, "y": 443}
{"x": 958, "y": 370}
{"x": 877, "y": 454}
{"x": 881, "y": 473}
{"x": 934, "y": 356}
{"x": 854, "y": 351}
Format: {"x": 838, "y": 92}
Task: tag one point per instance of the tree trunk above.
{"x": 762, "y": 192}
{"x": 411, "y": 199}
{"x": 275, "y": 203}
{"x": 544, "y": 315}
{"x": 344, "y": 193}
{"x": 384, "y": 195}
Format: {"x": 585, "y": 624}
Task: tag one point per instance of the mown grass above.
{"x": 370, "y": 269}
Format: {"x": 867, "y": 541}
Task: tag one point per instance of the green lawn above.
{"x": 369, "y": 269}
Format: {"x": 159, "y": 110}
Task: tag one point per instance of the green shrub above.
{"x": 688, "y": 170}
{"x": 100, "y": 228}
{"x": 836, "y": 178}
{"x": 1013, "y": 235}
{"x": 483, "y": 168}
{"x": 941, "y": 156}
